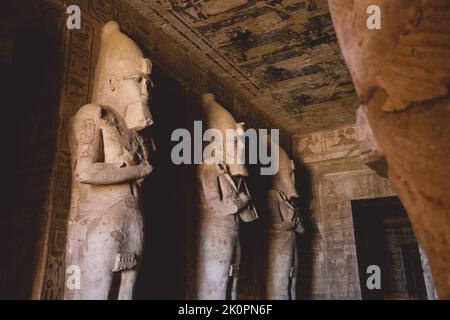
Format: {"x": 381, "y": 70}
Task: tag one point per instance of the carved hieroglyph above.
{"x": 283, "y": 224}
{"x": 401, "y": 72}
{"x": 224, "y": 201}
{"x": 109, "y": 162}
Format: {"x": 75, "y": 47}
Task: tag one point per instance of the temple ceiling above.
{"x": 277, "y": 58}
{"x": 283, "y": 50}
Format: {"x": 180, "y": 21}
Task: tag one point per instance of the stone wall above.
{"x": 335, "y": 176}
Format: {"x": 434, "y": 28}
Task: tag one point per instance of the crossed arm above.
{"x": 219, "y": 193}
{"x": 89, "y": 166}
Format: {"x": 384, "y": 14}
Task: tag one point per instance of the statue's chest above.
{"x": 120, "y": 145}
{"x": 281, "y": 210}
{"x": 287, "y": 211}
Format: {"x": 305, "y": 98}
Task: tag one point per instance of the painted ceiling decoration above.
{"x": 278, "y": 58}
{"x": 286, "y": 50}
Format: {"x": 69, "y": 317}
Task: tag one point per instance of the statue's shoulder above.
{"x": 89, "y": 111}
{"x": 84, "y": 121}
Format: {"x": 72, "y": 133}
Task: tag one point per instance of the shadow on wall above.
{"x": 30, "y": 81}
{"x": 166, "y": 193}
{"x": 253, "y": 241}
{"x": 304, "y": 242}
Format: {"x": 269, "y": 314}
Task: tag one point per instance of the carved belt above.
{"x": 212, "y": 220}
{"x": 283, "y": 227}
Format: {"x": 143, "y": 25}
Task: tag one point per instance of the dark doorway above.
{"x": 384, "y": 237}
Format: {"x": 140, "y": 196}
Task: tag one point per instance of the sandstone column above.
{"x": 402, "y": 74}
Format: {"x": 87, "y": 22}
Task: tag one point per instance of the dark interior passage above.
{"x": 384, "y": 238}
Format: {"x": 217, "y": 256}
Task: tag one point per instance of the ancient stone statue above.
{"x": 402, "y": 74}
{"x": 224, "y": 202}
{"x": 109, "y": 162}
{"x": 283, "y": 222}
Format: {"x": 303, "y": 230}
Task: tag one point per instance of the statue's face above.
{"x": 134, "y": 96}
{"x": 237, "y": 168}
{"x": 284, "y": 181}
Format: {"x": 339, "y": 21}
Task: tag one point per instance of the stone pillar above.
{"x": 401, "y": 73}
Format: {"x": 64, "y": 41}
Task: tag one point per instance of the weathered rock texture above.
{"x": 224, "y": 202}
{"x": 405, "y": 67}
{"x": 109, "y": 162}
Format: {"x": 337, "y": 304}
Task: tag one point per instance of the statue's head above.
{"x": 284, "y": 180}
{"x": 217, "y": 117}
{"x": 122, "y": 78}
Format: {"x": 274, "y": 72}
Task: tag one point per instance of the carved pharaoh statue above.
{"x": 109, "y": 162}
{"x": 224, "y": 202}
{"x": 283, "y": 225}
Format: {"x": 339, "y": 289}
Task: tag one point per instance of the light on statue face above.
{"x": 138, "y": 115}
{"x": 235, "y": 151}
{"x": 285, "y": 182}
